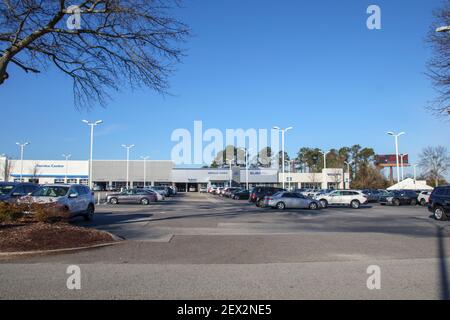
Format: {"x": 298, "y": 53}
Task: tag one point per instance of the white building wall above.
{"x": 49, "y": 170}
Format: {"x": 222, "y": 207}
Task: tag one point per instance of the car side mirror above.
{"x": 73, "y": 195}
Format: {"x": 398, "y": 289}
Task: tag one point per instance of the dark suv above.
{"x": 399, "y": 197}
{"x": 439, "y": 202}
{"x": 258, "y": 193}
{"x": 11, "y": 191}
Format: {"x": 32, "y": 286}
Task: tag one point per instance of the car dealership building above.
{"x": 113, "y": 174}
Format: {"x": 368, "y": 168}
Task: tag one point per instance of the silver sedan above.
{"x": 286, "y": 200}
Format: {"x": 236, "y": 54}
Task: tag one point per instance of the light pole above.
{"x": 92, "y": 125}
{"x": 128, "y": 161}
{"x": 291, "y": 162}
{"x": 396, "y": 150}
{"x": 415, "y": 177}
{"x": 325, "y": 158}
{"x": 22, "y": 146}
{"x": 145, "y": 158}
{"x": 401, "y": 164}
{"x": 246, "y": 166}
{"x": 348, "y": 171}
{"x": 230, "y": 162}
{"x": 67, "y": 156}
{"x": 283, "y": 131}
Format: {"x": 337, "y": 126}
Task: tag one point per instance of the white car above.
{"x": 424, "y": 197}
{"x": 352, "y": 198}
{"x": 77, "y": 199}
{"x": 203, "y": 190}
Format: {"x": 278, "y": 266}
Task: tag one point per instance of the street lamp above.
{"x": 145, "y": 158}
{"x": 401, "y": 163}
{"x": 66, "y": 156}
{"x": 22, "y": 146}
{"x": 246, "y": 166}
{"x": 348, "y": 171}
{"x": 283, "y": 131}
{"x": 415, "y": 177}
{"x": 128, "y": 161}
{"x": 230, "y": 162}
{"x": 92, "y": 125}
{"x": 396, "y": 150}
{"x": 325, "y": 158}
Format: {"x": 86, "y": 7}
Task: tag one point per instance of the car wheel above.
{"x": 396, "y": 202}
{"x": 324, "y": 203}
{"x": 423, "y": 202}
{"x": 145, "y": 201}
{"x": 281, "y": 206}
{"x": 259, "y": 203}
{"x": 413, "y": 202}
{"x": 439, "y": 214}
{"x": 113, "y": 201}
{"x": 355, "y": 204}
{"x": 313, "y": 206}
{"x": 89, "y": 215}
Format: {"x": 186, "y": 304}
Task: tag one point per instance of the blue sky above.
{"x": 254, "y": 64}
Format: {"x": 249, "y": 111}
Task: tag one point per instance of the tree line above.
{"x": 361, "y": 161}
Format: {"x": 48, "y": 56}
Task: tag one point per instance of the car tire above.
{"x": 413, "y": 202}
{"x": 423, "y": 202}
{"x": 324, "y": 203}
{"x": 281, "y": 206}
{"x": 396, "y": 202}
{"x": 145, "y": 201}
{"x": 259, "y": 203}
{"x": 355, "y": 204}
{"x": 89, "y": 215}
{"x": 113, "y": 201}
{"x": 313, "y": 206}
{"x": 439, "y": 214}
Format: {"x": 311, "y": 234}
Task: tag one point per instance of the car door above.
{"x": 73, "y": 202}
{"x": 301, "y": 201}
{"x": 288, "y": 199}
{"x": 335, "y": 197}
{"x": 446, "y": 198}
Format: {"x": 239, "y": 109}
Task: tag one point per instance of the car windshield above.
{"x": 5, "y": 189}
{"x": 51, "y": 192}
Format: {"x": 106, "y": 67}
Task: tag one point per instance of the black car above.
{"x": 373, "y": 195}
{"x": 11, "y": 191}
{"x": 399, "y": 197}
{"x": 439, "y": 202}
{"x": 258, "y": 193}
{"x": 241, "y": 195}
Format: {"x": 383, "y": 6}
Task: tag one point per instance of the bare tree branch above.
{"x": 119, "y": 42}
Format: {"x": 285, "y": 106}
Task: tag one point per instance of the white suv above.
{"x": 424, "y": 197}
{"x": 77, "y": 199}
{"x": 350, "y": 198}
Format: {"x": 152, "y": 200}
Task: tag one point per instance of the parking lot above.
{"x": 202, "y": 246}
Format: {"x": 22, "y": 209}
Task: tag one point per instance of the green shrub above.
{"x": 11, "y": 212}
{"x": 41, "y": 212}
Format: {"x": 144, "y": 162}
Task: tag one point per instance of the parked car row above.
{"x": 75, "y": 199}
{"x": 142, "y": 196}
{"x": 438, "y": 201}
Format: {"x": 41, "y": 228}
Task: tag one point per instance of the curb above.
{"x": 117, "y": 240}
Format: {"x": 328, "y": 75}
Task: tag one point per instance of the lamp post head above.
{"x": 85, "y": 121}
{"x": 98, "y": 122}
{"x": 288, "y": 128}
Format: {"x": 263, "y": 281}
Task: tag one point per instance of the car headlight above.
{"x": 389, "y": 198}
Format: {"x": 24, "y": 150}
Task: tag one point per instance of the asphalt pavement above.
{"x": 199, "y": 246}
